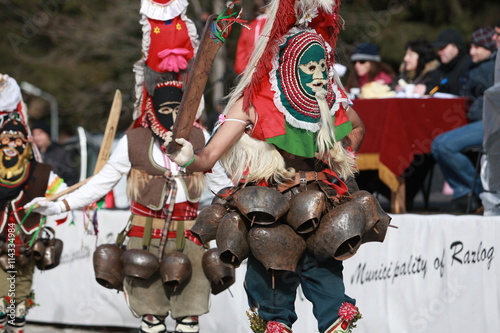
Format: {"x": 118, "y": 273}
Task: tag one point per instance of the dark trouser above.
{"x": 321, "y": 283}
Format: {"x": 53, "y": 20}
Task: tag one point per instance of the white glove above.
{"x": 45, "y": 207}
{"x": 184, "y": 155}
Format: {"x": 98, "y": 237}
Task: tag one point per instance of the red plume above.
{"x": 284, "y": 21}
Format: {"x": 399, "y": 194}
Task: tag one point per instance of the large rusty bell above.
{"x": 38, "y": 249}
{"x": 52, "y": 254}
{"x": 207, "y": 222}
{"x": 377, "y": 219}
{"x": 108, "y": 270}
{"x": 339, "y": 233}
{"x": 306, "y": 210}
{"x": 139, "y": 263}
{"x": 175, "y": 270}
{"x": 220, "y": 275}
{"x": 260, "y": 205}
{"x": 231, "y": 239}
{"x": 278, "y": 247}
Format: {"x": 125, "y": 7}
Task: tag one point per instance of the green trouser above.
{"x": 149, "y": 296}
{"x": 17, "y": 283}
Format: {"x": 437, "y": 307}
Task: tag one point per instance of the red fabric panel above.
{"x": 399, "y": 128}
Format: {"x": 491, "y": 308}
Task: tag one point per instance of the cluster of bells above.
{"x": 275, "y": 228}
{"x": 46, "y": 251}
{"x": 112, "y": 263}
{"x": 278, "y": 228}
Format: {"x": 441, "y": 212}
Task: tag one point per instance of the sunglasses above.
{"x": 362, "y": 62}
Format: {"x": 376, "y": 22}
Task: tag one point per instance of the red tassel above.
{"x": 284, "y": 21}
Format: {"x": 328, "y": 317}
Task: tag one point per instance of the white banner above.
{"x": 435, "y": 273}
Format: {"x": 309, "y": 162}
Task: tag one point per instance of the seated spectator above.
{"x": 450, "y": 75}
{"x": 447, "y": 148}
{"x": 368, "y": 67}
{"x": 53, "y": 153}
{"x": 418, "y": 63}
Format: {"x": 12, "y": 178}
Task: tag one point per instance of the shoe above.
{"x": 187, "y": 325}
{"x": 348, "y": 316}
{"x": 152, "y": 324}
{"x": 459, "y": 205}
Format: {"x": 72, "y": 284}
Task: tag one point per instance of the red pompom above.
{"x": 348, "y": 311}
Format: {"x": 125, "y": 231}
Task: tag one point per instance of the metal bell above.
{"x": 108, "y": 268}
{"x": 207, "y": 222}
{"x": 175, "y": 269}
{"x": 259, "y": 204}
{"x": 339, "y": 233}
{"x": 278, "y": 247}
{"x": 231, "y": 239}
{"x": 139, "y": 263}
{"x": 306, "y": 210}
{"x": 220, "y": 275}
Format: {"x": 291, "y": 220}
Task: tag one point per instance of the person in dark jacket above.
{"x": 53, "y": 153}
{"x": 450, "y": 75}
{"x": 447, "y": 148}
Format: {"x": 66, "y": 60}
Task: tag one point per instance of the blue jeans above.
{"x": 457, "y": 168}
{"x": 321, "y": 282}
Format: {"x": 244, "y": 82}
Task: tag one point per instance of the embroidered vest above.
{"x": 152, "y": 195}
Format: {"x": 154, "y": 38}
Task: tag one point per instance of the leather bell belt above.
{"x": 302, "y": 177}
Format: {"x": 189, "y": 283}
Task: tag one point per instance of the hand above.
{"x": 44, "y": 207}
{"x": 184, "y": 155}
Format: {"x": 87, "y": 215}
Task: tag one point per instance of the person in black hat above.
{"x": 447, "y": 148}
{"x": 455, "y": 61}
{"x": 53, "y": 153}
{"x": 368, "y": 67}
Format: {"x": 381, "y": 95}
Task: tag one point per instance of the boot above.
{"x": 17, "y": 325}
{"x": 187, "y": 324}
{"x": 276, "y": 327}
{"x": 152, "y": 324}
{"x": 348, "y": 315}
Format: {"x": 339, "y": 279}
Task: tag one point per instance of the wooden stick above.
{"x": 105, "y": 151}
{"x": 109, "y": 132}
{"x": 198, "y": 76}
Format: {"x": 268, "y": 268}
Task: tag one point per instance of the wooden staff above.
{"x": 105, "y": 151}
{"x": 198, "y": 76}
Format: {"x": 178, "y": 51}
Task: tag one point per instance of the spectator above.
{"x": 447, "y": 148}
{"x": 248, "y": 38}
{"x": 454, "y": 63}
{"x": 418, "y": 63}
{"x": 368, "y": 67}
{"x": 490, "y": 170}
{"x": 53, "y": 153}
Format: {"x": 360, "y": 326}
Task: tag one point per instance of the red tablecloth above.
{"x": 399, "y": 128}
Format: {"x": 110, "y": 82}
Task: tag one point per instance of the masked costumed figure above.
{"x": 288, "y": 138}
{"x": 162, "y": 261}
{"x": 22, "y": 178}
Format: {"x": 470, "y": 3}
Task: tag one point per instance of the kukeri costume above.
{"x": 22, "y": 234}
{"x": 294, "y": 215}
{"x": 164, "y": 205}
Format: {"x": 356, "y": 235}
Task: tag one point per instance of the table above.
{"x": 397, "y": 129}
